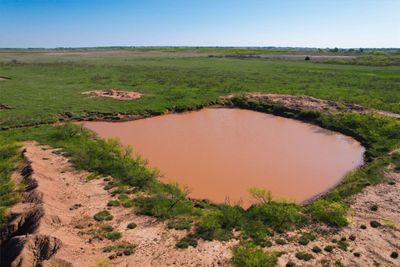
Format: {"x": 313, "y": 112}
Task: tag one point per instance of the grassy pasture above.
{"x": 46, "y": 85}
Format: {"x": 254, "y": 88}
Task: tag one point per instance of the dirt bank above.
{"x": 115, "y": 94}
{"x": 66, "y": 234}
{"x": 300, "y": 102}
{"x": 4, "y": 78}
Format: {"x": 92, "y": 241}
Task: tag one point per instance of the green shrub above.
{"x": 363, "y": 226}
{"x": 106, "y": 228}
{"x": 375, "y": 224}
{"x": 394, "y": 255}
{"x": 316, "y": 249}
{"x": 374, "y": 207}
{"x": 257, "y": 231}
{"x": 342, "y": 245}
{"x": 280, "y": 241}
{"x": 131, "y": 225}
{"x": 180, "y": 224}
{"x": 126, "y": 249}
{"x": 249, "y": 255}
{"x": 305, "y": 238}
{"x": 103, "y": 216}
{"x": 187, "y": 241}
{"x": 304, "y": 256}
{"x": 210, "y": 228}
{"x": 277, "y": 215}
{"x": 290, "y": 264}
{"x": 332, "y": 213}
{"x": 113, "y": 235}
{"x": 329, "y": 248}
{"x": 113, "y": 203}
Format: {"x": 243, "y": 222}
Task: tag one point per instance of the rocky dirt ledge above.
{"x": 300, "y": 102}
{"x": 114, "y": 93}
{"x": 54, "y": 225}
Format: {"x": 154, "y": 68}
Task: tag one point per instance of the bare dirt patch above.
{"x": 4, "y": 78}
{"x": 61, "y": 207}
{"x": 301, "y": 102}
{"x": 5, "y": 106}
{"x": 115, "y": 94}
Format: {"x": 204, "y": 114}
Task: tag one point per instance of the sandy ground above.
{"x": 69, "y": 202}
{"x": 115, "y": 94}
{"x": 374, "y": 244}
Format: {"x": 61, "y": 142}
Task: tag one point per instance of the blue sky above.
{"x": 305, "y": 23}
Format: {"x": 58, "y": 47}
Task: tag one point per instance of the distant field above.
{"x": 45, "y": 85}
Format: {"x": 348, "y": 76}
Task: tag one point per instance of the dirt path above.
{"x": 69, "y": 202}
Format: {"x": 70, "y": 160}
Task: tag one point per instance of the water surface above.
{"x": 220, "y": 153}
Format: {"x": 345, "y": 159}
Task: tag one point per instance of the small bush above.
{"x": 103, "y": 216}
{"x": 131, "y": 225}
{"x": 332, "y": 213}
{"x": 209, "y": 228}
{"x": 126, "y": 249}
{"x": 356, "y": 254}
{"x": 352, "y": 237}
{"x": 375, "y": 224}
{"x": 342, "y": 245}
{"x": 280, "y": 241}
{"x": 329, "y": 248}
{"x": 304, "y": 256}
{"x": 374, "y": 207}
{"x": 187, "y": 241}
{"x": 180, "y": 224}
{"x": 305, "y": 238}
{"x": 113, "y": 203}
{"x": 249, "y": 255}
{"x": 113, "y": 235}
{"x": 363, "y": 226}
{"x": 394, "y": 255}
{"x": 106, "y": 228}
{"x": 316, "y": 249}
{"x": 290, "y": 264}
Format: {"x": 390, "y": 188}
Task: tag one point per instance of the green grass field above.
{"x": 47, "y": 84}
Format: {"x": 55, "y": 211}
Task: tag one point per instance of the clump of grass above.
{"x": 304, "y": 256}
{"x": 187, "y": 241}
{"x": 180, "y": 224}
{"x": 113, "y": 236}
{"x": 113, "y": 203}
{"x": 343, "y": 245}
{"x": 107, "y": 228}
{"x": 249, "y": 255}
{"x": 316, "y": 249}
{"x": 375, "y": 224}
{"x": 329, "y": 248}
{"x": 330, "y": 212}
{"x": 290, "y": 264}
{"x": 123, "y": 248}
{"x": 280, "y": 241}
{"x": 305, "y": 238}
{"x": 131, "y": 225}
{"x": 374, "y": 207}
{"x": 103, "y": 216}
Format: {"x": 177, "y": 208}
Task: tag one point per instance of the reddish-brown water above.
{"x": 220, "y": 153}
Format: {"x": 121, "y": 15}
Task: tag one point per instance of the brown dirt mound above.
{"x": 115, "y": 94}
{"x": 301, "y": 102}
{"x": 5, "y": 106}
{"x": 4, "y": 78}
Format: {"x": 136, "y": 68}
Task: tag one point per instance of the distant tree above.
{"x": 307, "y": 58}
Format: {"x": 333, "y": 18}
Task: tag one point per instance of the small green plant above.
{"x": 113, "y": 236}
{"x": 374, "y": 207}
{"x": 290, "y": 264}
{"x": 304, "y": 256}
{"x": 113, "y": 203}
{"x": 249, "y": 255}
{"x": 103, "y": 216}
{"x": 394, "y": 255}
{"x": 280, "y": 241}
{"x": 187, "y": 241}
{"x": 329, "y": 248}
{"x": 342, "y": 245}
{"x": 305, "y": 238}
{"x": 316, "y": 249}
{"x": 123, "y": 248}
{"x": 375, "y": 224}
{"x": 356, "y": 254}
{"x": 329, "y": 212}
{"x": 106, "y": 228}
{"x": 131, "y": 225}
{"x": 180, "y": 224}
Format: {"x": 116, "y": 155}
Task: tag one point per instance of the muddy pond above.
{"x": 220, "y": 153}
